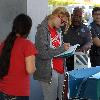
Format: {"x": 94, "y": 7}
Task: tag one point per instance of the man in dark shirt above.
{"x": 78, "y": 33}
{"x": 95, "y": 30}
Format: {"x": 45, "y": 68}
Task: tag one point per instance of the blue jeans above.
{"x": 7, "y": 97}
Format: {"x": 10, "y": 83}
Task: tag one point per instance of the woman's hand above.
{"x": 66, "y": 46}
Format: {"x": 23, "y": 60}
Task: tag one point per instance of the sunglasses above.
{"x": 62, "y": 21}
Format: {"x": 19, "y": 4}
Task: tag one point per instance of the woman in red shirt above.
{"x": 17, "y": 61}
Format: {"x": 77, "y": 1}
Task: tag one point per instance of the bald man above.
{"x": 78, "y": 33}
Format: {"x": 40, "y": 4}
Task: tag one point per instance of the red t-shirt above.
{"x": 17, "y": 82}
{"x": 58, "y": 63}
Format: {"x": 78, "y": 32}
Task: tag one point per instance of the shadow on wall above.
{"x": 36, "y": 91}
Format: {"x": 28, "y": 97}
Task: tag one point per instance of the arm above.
{"x": 88, "y": 41}
{"x": 96, "y": 41}
{"x": 29, "y": 52}
{"x": 30, "y": 64}
{"x": 86, "y": 47}
{"x": 42, "y": 41}
{"x": 95, "y": 33}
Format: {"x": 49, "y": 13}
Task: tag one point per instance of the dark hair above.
{"x": 77, "y": 10}
{"x": 21, "y": 25}
{"x": 95, "y": 9}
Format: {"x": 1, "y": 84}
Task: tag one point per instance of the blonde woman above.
{"x": 50, "y": 69}
{"x": 67, "y": 19}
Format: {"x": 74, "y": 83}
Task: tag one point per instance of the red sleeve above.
{"x": 29, "y": 49}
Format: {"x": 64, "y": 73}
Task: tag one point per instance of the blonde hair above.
{"x": 51, "y": 16}
{"x": 61, "y": 12}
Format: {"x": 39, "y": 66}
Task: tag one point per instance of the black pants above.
{"x": 70, "y": 63}
{"x": 7, "y": 97}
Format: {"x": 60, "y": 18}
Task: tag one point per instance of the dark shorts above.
{"x": 8, "y": 97}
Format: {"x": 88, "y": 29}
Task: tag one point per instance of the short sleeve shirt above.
{"x": 17, "y": 81}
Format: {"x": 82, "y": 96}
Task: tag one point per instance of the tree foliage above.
{"x": 67, "y": 2}
{"x": 61, "y": 2}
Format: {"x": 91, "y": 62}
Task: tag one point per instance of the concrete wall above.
{"x": 37, "y": 9}
{"x": 8, "y": 10}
